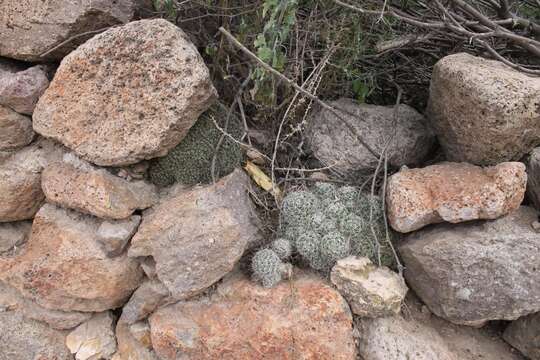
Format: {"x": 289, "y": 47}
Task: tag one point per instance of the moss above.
{"x": 190, "y": 162}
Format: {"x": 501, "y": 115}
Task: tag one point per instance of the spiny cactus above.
{"x": 298, "y": 207}
{"x": 282, "y": 248}
{"x": 268, "y": 269}
{"x": 190, "y": 162}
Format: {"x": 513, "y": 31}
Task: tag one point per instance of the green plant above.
{"x": 282, "y": 248}
{"x": 267, "y": 267}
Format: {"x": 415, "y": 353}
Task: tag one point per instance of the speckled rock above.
{"x": 21, "y": 87}
{"x": 196, "y": 235}
{"x": 128, "y": 94}
{"x": 242, "y": 320}
{"x": 15, "y": 129}
{"x": 151, "y": 294}
{"x": 114, "y": 235}
{"x": 95, "y": 191}
{"x": 13, "y": 234}
{"x": 475, "y": 272}
{"x": 524, "y": 335}
{"x": 334, "y": 145}
{"x": 94, "y": 339}
{"x": 453, "y": 192}
{"x": 63, "y": 267}
{"x": 533, "y": 178}
{"x": 131, "y": 347}
{"x": 482, "y": 111}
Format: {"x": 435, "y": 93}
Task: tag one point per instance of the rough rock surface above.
{"x": 13, "y": 234}
{"x": 21, "y": 88}
{"x": 482, "y": 111}
{"x": 242, "y": 320}
{"x": 128, "y": 94}
{"x": 333, "y": 143}
{"x": 94, "y": 339}
{"x": 131, "y": 348}
{"x": 475, "y": 272}
{"x": 24, "y": 339}
{"x": 524, "y": 335}
{"x": 533, "y": 178}
{"x": 217, "y": 222}
{"x": 144, "y": 301}
{"x": 371, "y": 291}
{"x": 114, "y": 235}
{"x": 63, "y": 267}
{"x": 15, "y": 129}
{"x": 453, "y": 192}
{"x": 20, "y": 179}
{"x": 30, "y": 28}
{"x": 95, "y": 191}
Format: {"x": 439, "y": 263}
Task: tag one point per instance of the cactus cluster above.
{"x": 324, "y": 224}
{"x": 190, "y": 162}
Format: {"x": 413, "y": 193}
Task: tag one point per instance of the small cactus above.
{"x": 282, "y": 248}
{"x": 267, "y": 267}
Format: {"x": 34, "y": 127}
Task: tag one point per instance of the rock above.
{"x": 128, "y": 94}
{"x": 30, "y": 29}
{"x": 95, "y": 191}
{"x": 21, "y": 88}
{"x": 144, "y": 301}
{"x": 13, "y": 234}
{"x": 63, "y": 267}
{"x": 533, "y": 178}
{"x": 453, "y": 192}
{"x": 371, "y": 291}
{"x": 217, "y": 223}
{"x": 334, "y": 144}
{"x": 15, "y": 129}
{"x": 242, "y": 320}
{"x": 524, "y": 335}
{"x": 475, "y": 272}
{"x": 472, "y": 96}
{"x": 131, "y": 347}
{"x": 114, "y": 235}
{"x": 94, "y": 339}
{"x": 20, "y": 179}
{"x": 23, "y": 339}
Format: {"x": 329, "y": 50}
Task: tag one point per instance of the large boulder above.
{"x": 334, "y": 145}
{"x": 31, "y": 28}
{"x": 93, "y": 339}
{"x": 475, "y": 272}
{"x": 128, "y": 94}
{"x": 453, "y": 192}
{"x": 62, "y": 266}
{"x": 15, "y": 130}
{"x": 301, "y": 319}
{"x": 196, "y": 235}
{"x": 483, "y": 111}
{"x": 524, "y": 335}
{"x": 21, "y": 87}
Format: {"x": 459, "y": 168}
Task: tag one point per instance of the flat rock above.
{"x": 334, "y": 144}
{"x": 151, "y": 294}
{"x": 371, "y": 291}
{"x": 475, "y": 272}
{"x": 128, "y": 94}
{"x": 95, "y": 191}
{"x": 196, "y": 235}
{"x": 20, "y": 179}
{"x": 483, "y": 111}
{"x": 524, "y": 335}
{"x": 63, "y": 267}
{"x": 114, "y": 235}
{"x": 301, "y": 319}
{"x": 453, "y": 192}
{"x": 31, "y": 28}
{"x": 21, "y": 87}
{"x": 13, "y": 234}
{"x": 94, "y": 339}
{"x": 15, "y": 130}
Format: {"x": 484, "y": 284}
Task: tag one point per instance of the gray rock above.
{"x": 524, "y": 335}
{"x": 483, "y": 111}
{"x": 20, "y": 88}
{"x": 533, "y": 178}
{"x": 115, "y": 234}
{"x": 471, "y": 273}
{"x": 146, "y": 299}
{"x": 196, "y": 235}
{"x": 334, "y": 145}
{"x": 13, "y": 234}
{"x": 93, "y": 339}
{"x": 15, "y": 129}
{"x": 128, "y": 94}
{"x": 130, "y": 347}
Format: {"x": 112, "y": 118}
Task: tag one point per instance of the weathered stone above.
{"x": 63, "y": 267}
{"x": 10, "y": 299}
{"x": 453, "y": 192}
{"x": 474, "y": 272}
{"x": 131, "y": 347}
{"x": 242, "y": 320}
{"x": 196, "y": 235}
{"x": 114, "y": 235}
{"x": 482, "y": 111}
{"x": 371, "y": 291}
{"x": 15, "y": 129}
{"x": 95, "y": 191}
{"x": 20, "y": 179}
{"x": 13, "y": 234}
{"x": 533, "y": 178}
{"x": 128, "y": 94}
{"x": 24, "y": 339}
{"x": 335, "y": 145}
{"x": 30, "y": 28}
{"x": 524, "y": 335}
{"x": 144, "y": 301}
{"x": 94, "y": 339}
{"x": 21, "y": 88}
